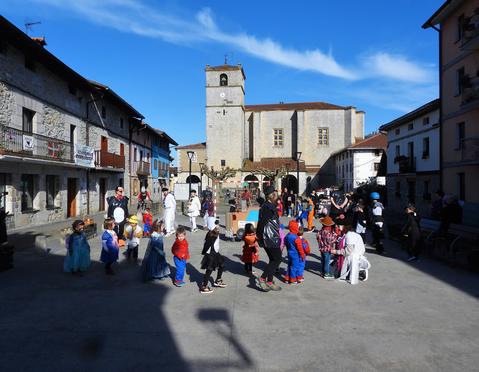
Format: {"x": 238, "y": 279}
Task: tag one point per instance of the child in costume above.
{"x": 296, "y": 254}
{"x": 280, "y": 207}
{"x": 310, "y": 214}
{"x": 77, "y": 259}
{"x": 109, "y": 245}
{"x": 132, "y": 233}
{"x": 326, "y": 241}
{"x": 212, "y": 259}
{"x": 147, "y": 222}
{"x": 377, "y": 220}
{"x": 307, "y": 250}
{"x": 180, "y": 255}
{"x": 250, "y": 248}
{"x": 154, "y": 265}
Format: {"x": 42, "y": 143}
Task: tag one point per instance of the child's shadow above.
{"x": 314, "y": 267}
{"x": 236, "y": 267}
{"x": 194, "y": 274}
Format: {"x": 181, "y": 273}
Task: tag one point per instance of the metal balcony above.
{"x": 106, "y": 159}
{"x": 25, "y": 144}
{"x": 141, "y": 168}
{"x": 407, "y": 165}
{"x": 470, "y": 150}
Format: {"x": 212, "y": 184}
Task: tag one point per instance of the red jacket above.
{"x": 180, "y": 249}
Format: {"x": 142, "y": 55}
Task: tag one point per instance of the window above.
{"x": 52, "y": 183}
{"x": 461, "y": 185}
{"x": 460, "y": 134}
{"x": 3, "y": 189}
{"x": 29, "y": 63}
{"x": 120, "y": 182}
{"x": 460, "y": 27}
{"x": 103, "y": 112}
{"x": 398, "y": 150}
{"x": 410, "y": 126}
{"x": 223, "y": 163}
{"x": 278, "y": 139}
{"x": 426, "y": 194}
{"x": 425, "y": 120}
{"x": 28, "y": 120}
{"x": 323, "y": 136}
{"x": 135, "y": 156}
{"x": 460, "y": 79}
{"x": 72, "y": 89}
{"x": 397, "y": 131}
{"x": 223, "y": 80}
{"x": 26, "y": 189}
{"x": 425, "y": 148}
{"x": 121, "y": 123}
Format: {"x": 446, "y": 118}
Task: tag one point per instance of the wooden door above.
{"x": 122, "y": 149}
{"x": 71, "y": 197}
{"x": 102, "y": 184}
{"x": 104, "y": 144}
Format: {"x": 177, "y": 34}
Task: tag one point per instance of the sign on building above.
{"x": 28, "y": 143}
{"x": 84, "y": 156}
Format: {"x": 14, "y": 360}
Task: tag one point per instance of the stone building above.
{"x": 413, "y": 166}
{"x": 359, "y": 163}
{"x": 64, "y": 140}
{"x": 457, "y": 24}
{"x": 249, "y": 137}
{"x": 198, "y": 158}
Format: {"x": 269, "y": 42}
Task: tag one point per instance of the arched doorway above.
{"x": 194, "y": 179}
{"x": 290, "y": 182}
{"x": 252, "y": 180}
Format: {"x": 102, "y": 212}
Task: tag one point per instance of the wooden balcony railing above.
{"x": 20, "y": 143}
{"x": 106, "y": 159}
{"x": 141, "y": 168}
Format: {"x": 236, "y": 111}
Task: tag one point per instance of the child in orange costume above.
{"x": 310, "y": 214}
{"x": 250, "y": 248}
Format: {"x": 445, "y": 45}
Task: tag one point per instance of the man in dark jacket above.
{"x": 268, "y": 237}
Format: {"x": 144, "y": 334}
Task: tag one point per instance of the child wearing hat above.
{"x": 327, "y": 239}
{"x": 77, "y": 259}
{"x": 132, "y": 233}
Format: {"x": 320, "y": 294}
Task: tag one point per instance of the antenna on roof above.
{"x": 28, "y": 25}
{"x": 226, "y": 59}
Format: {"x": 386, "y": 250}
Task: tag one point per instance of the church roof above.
{"x": 376, "y": 141}
{"x": 201, "y": 145}
{"x": 295, "y": 106}
{"x": 226, "y": 68}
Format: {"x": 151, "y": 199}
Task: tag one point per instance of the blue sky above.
{"x": 370, "y": 54}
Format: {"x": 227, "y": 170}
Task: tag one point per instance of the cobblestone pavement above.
{"x": 407, "y": 317}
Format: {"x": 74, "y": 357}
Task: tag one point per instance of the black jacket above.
{"x": 267, "y": 230}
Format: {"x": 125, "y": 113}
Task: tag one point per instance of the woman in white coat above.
{"x": 194, "y": 208}
{"x": 354, "y": 259}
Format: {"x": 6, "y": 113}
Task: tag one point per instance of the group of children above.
{"x": 302, "y": 210}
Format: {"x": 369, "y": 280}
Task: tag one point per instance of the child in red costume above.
{"x": 181, "y": 255}
{"x": 147, "y": 222}
{"x": 307, "y": 250}
{"x": 250, "y": 248}
{"x": 296, "y": 254}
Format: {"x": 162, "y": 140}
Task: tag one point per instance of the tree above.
{"x": 218, "y": 175}
{"x": 272, "y": 174}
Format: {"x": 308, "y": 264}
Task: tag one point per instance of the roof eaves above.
{"x": 428, "y": 107}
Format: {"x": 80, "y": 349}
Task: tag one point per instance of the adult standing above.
{"x": 194, "y": 208}
{"x": 284, "y": 198}
{"x": 269, "y": 238}
{"x": 338, "y": 203}
{"x": 118, "y": 210}
{"x": 169, "y": 205}
{"x": 291, "y": 203}
{"x": 412, "y": 233}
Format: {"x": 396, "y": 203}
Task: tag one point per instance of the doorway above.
{"x": 104, "y": 144}
{"x": 72, "y": 197}
{"x": 102, "y": 193}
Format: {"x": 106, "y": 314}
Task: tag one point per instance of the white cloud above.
{"x": 138, "y": 18}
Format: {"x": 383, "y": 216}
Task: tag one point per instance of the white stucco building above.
{"x": 413, "y": 166}
{"x": 358, "y": 163}
{"x": 249, "y": 137}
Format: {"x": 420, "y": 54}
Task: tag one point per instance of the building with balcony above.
{"x": 457, "y": 23}
{"x": 359, "y": 163}
{"x": 161, "y": 160}
{"x": 413, "y": 165}
{"x": 63, "y": 139}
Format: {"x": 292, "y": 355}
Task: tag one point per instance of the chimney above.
{"x": 40, "y": 40}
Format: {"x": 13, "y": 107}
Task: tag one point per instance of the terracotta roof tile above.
{"x": 295, "y": 106}
{"x": 273, "y": 163}
{"x": 226, "y": 68}
{"x": 201, "y": 145}
{"x": 376, "y": 141}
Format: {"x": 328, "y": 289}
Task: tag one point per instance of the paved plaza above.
{"x": 407, "y": 317}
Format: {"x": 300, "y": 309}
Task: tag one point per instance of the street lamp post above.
{"x": 298, "y": 156}
{"x": 190, "y": 157}
{"x": 201, "y": 177}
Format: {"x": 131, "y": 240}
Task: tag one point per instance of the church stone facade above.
{"x": 248, "y": 137}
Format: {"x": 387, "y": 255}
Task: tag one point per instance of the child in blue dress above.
{"x": 109, "y": 246}
{"x": 154, "y": 265}
{"x": 77, "y": 259}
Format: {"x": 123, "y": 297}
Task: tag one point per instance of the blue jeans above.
{"x": 325, "y": 258}
{"x": 180, "y": 269}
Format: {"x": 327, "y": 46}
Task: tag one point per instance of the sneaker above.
{"x": 205, "y": 289}
{"x": 220, "y": 283}
{"x": 262, "y": 284}
{"x": 328, "y": 276}
{"x": 412, "y": 258}
{"x": 293, "y": 283}
{"x": 179, "y": 283}
{"x": 273, "y": 287}
{"x": 363, "y": 275}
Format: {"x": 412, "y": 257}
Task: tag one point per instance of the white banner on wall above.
{"x": 28, "y": 143}
{"x": 84, "y": 156}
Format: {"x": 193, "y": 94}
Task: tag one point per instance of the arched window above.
{"x": 223, "y": 80}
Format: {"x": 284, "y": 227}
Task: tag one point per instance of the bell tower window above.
{"x": 223, "y": 80}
